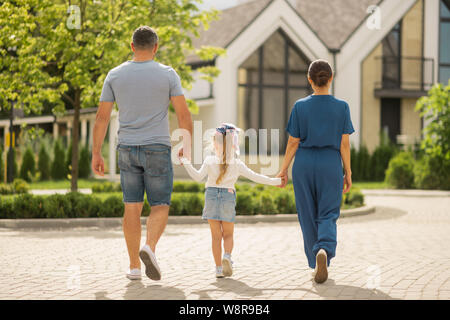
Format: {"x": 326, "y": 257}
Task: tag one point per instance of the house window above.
{"x": 392, "y": 57}
{"x": 444, "y": 44}
{"x": 270, "y": 81}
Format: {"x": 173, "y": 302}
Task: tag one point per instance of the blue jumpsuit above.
{"x": 319, "y": 121}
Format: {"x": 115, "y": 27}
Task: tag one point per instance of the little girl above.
{"x": 223, "y": 169}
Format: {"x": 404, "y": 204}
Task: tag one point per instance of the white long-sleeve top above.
{"x": 211, "y": 168}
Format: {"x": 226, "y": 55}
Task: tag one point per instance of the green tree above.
{"x": 44, "y": 163}
{"x": 435, "y": 108}
{"x": 28, "y": 167}
{"x": 71, "y": 53}
{"x": 58, "y": 170}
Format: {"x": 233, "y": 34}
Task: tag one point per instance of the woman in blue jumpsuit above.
{"x": 319, "y": 129}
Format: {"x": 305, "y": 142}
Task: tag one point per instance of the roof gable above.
{"x": 332, "y": 21}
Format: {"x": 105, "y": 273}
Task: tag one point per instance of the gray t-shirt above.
{"x": 142, "y": 91}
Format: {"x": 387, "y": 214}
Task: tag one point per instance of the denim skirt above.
{"x": 220, "y": 204}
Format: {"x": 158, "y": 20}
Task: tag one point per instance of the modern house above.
{"x": 385, "y": 54}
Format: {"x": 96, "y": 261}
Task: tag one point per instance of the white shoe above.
{"x": 134, "y": 274}
{"x": 151, "y": 266}
{"x": 219, "y": 272}
{"x": 227, "y": 266}
{"x": 321, "y": 272}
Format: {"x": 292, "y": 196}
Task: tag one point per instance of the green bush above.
{"x": 285, "y": 201}
{"x": 176, "y": 204}
{"x": 112, "y": 207}
{"x": 58, "y": 170}
{"x": 266, "y": 203}
{"x": 6, "y": 208}
{"x": 6, "y": 188}
{"x": 245, "y": 203}
{"x": 362, "y": 166}
{"x": 379, "y": 160}
{"x": 44, "y": 164}
{"x": 84, "y": 166}
{"x": 188, "y": 186}
{"x": 432, "y": 173}
{"x": 20, "y": 186}
{"x": 28, "y": 168}
{"x": 400, "y": 172}
{"x": 106, "y": 187}
{"x": 193, "y": 204}
{"x": 28, "y": 206}
{"x": 353, "y": 198}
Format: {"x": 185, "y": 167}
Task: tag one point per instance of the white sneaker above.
{"x": 219, "y": 272}
{"x": 151, "y": 266}
{"x": 134, "y": 274}
{"x": 321, "y": 272}
{"x": 227, "y": 266}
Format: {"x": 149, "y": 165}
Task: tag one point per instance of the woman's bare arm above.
{"x": 345, "y": 155}
{"x": 291, "y": 149}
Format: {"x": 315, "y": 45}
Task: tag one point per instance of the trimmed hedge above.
{"x": 106, "y": 187}
{"x": 251, "y": 201}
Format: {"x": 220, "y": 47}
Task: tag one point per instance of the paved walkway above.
{"x": 399, "y": 252}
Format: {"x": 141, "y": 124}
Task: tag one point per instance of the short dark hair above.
{"x": 320, "y": 72}
{"x": 144, "y": 37}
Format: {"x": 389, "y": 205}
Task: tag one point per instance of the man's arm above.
{"x": 184, "y": 122}
{"x": 100, "y": 127}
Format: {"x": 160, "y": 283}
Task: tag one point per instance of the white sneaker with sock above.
{"x": 134, "y": 274}
{"x": 227, "y": 265}
{"x": 219, "y": 272}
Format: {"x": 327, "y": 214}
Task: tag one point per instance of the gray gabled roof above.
{"x": 333, "y": 21}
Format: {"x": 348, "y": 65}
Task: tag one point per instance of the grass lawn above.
{"x": 64, "y": 184}
{"x": 371, "y": 185}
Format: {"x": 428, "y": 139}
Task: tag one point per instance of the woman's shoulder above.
{"x": 341, "y": 102}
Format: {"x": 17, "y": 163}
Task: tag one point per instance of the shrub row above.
{"x": 76, "y": 205}
{"x": 428, "y": 172}
{"x": 57, "y": 169}
{"x": 372, "y": 167}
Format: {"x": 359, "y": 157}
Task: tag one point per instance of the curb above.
{"x": 405, "y": 193}
{"x": 117, "y": 222}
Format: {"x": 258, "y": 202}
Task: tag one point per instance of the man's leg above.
{"x": 156, "y": 223}
{"x": 132, "y": 232}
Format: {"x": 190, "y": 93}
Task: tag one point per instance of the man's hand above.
{"x": 347, "y": 183}
{"x": 284, "y": 178}
{"x": 98, "y": 165}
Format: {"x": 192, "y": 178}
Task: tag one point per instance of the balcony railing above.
{"x": 404, "y": 76}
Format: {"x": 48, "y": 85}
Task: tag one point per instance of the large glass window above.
{"x": 444, "y": 43}
{"x": 270, "y": 81}
{"x": 392, "y": 57}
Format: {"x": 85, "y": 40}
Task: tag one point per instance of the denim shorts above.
{"x": 146, "y": 168}
{"x": 220, "y": 204}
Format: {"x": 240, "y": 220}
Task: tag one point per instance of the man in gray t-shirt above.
{"x": 143, "y": 90}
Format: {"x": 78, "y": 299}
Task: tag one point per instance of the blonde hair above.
{"x": 226, "y": 156}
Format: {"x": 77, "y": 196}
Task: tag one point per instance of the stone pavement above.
{"x": 399, "y": 252}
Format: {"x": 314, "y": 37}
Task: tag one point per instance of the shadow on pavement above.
{"x": 331, "y": 290}
{"x": 136, "y": 290}
{"x": 230, "y": 285}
